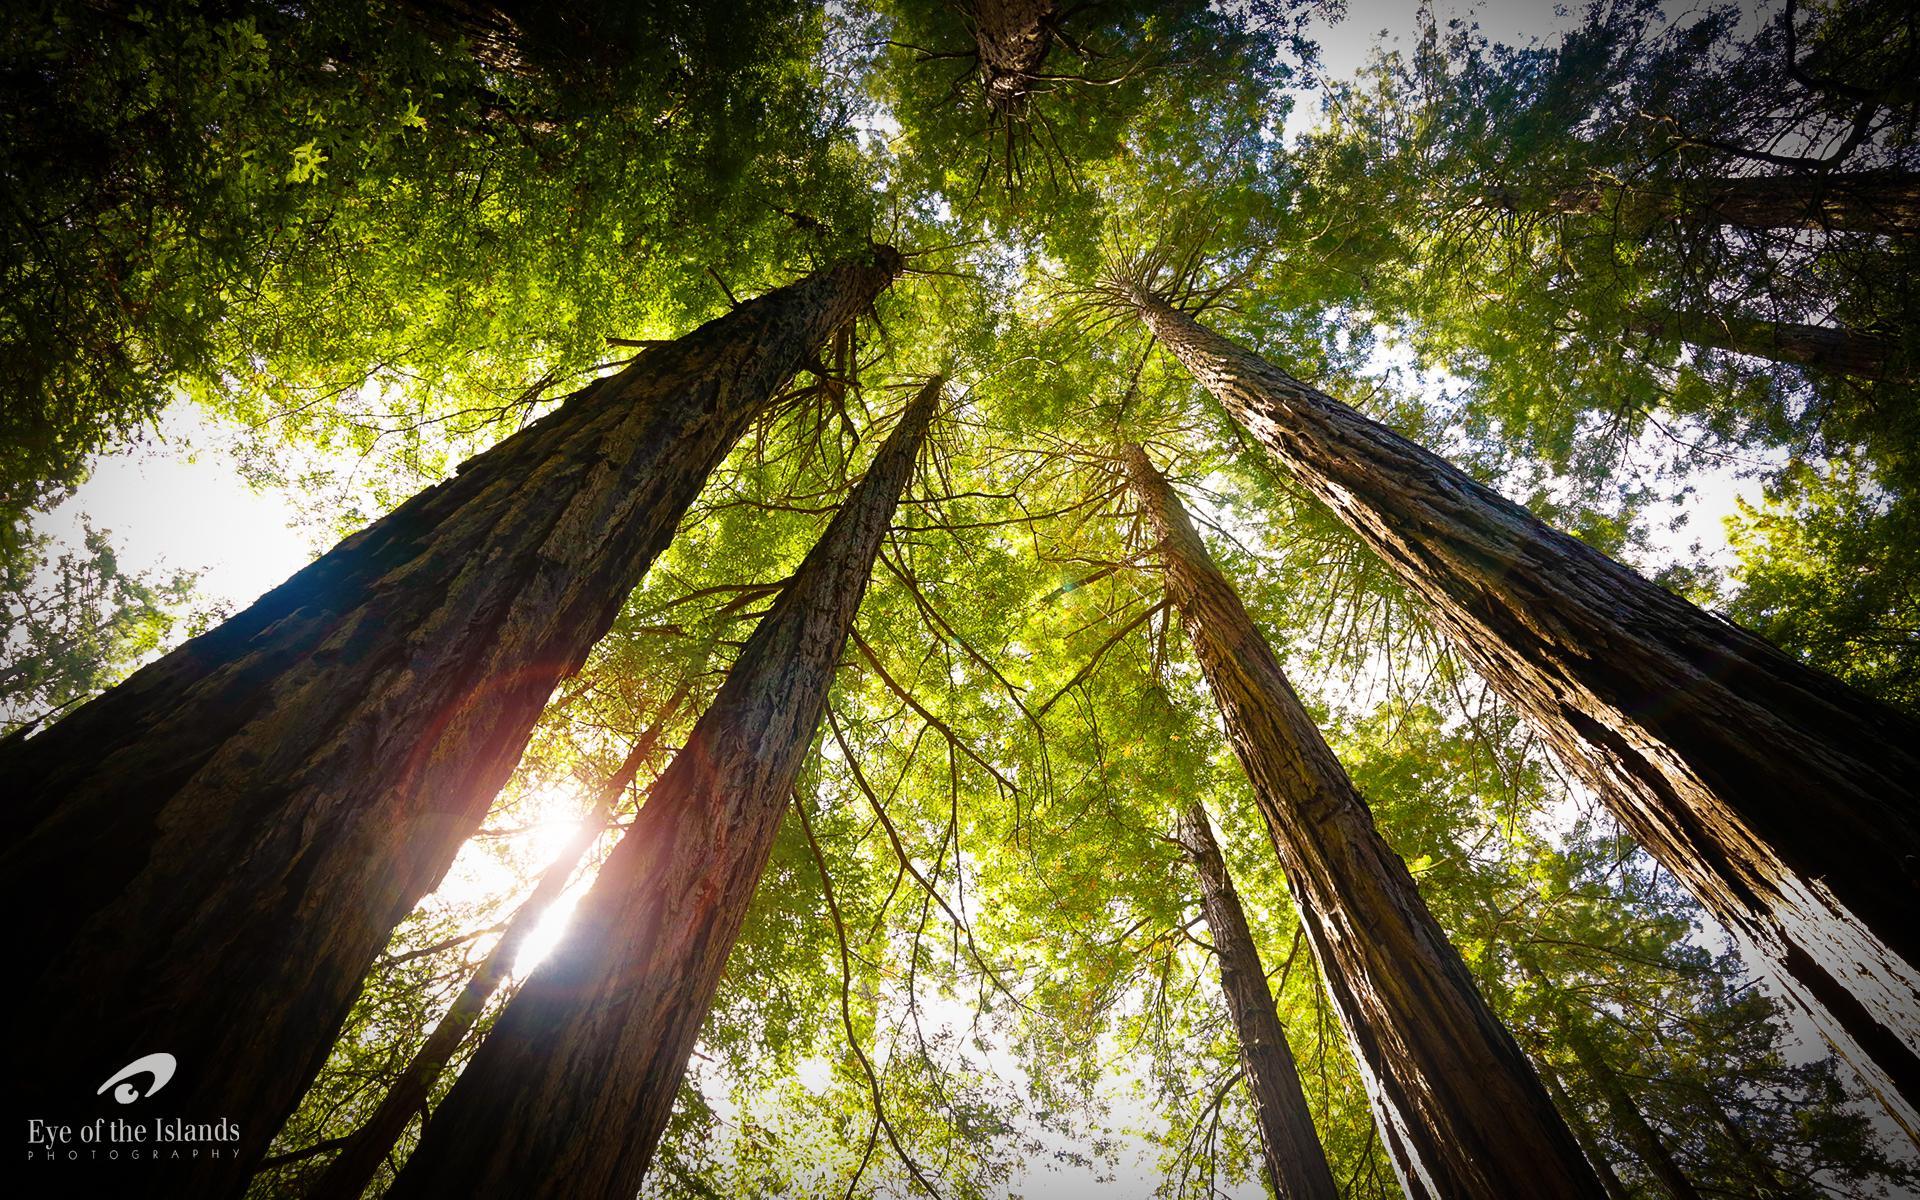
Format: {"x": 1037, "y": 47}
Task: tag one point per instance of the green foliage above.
{"x": 383, "y": 236}
{"x": 76, "y": 623}
{"x": 1830, "y": 569}
{"x": 350, "y": 224}
{"x": 1533, "y": 221}
{"x": 1024, "y": 153}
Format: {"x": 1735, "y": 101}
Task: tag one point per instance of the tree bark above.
{"x": 1783, "y": 798}
{"x": 569, "y": 1094}
{"x": 1882, "y": 202}
{"x": 1011, "y": 38}
{"x": 348, "y": 1175}
{"x": 1296, "y": 1163}
{"x": 1457, "y": 1103}
{"x": 1823, "y": 347}
{"x": 216, "y": 849}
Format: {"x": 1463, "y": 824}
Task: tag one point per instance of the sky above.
{"x": 1346, "y": 45}
{"x": 177, "y": 501}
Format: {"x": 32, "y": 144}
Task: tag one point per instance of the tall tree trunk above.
{"x": 216, "y": 849}
{"x": 1783, "y": 798}
{"x": 1823, "y": 347}
{"x": 1295, "y": 1160}
{"x": 1011, "y": 38}
{"x": 1882, "y": 202}
{"x": 1583, "y": 1133}
{"x": 1627, "y": 1117}
{"x": 348, "y": 1175}
{"x": 1457, "y": 1103}
{"x": 568, "y": 1095}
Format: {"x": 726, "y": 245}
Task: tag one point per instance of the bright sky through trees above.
{"x": 378, "y": 244}
{"x": 243, "y": 537}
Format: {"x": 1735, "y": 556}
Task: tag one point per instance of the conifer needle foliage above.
{"x": 1645, "y": 262}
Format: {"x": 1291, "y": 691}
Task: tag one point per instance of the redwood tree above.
{"x": 358, "y": 1161}
{"x": 1882, "y": 202}
{"x": 569, "y": 1094}
{"x": 1823, "y": 347}
{"x": 1879, "y": 202}
{"x": 1458, "y": 1106}
{"x": 1628, "y": 1119}
{"x": 217, "y": 848}
{"x": 1011, "y": 39}
{"x": 1782, "y": 797}
{"x": 1296, "y": 1163}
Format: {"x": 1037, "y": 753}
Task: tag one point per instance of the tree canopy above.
{"x": 1650, "y": 261}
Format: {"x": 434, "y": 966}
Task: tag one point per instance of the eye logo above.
{"x": 158, "y": 1067}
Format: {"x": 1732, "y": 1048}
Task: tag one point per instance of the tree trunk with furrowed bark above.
{"x": 1828, "y": 348}
{"x": 1296, "y": 1163}
{"x": 348, "y": 1175}
{"x": 1458, "y": 1106}
{"x": 1011, "y": 38}
{"x": 1882, "y": 202}
{"x": 569, "y": 1094}
{"x": 1782, "y": 797}
{"x": 217, "y": 849}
